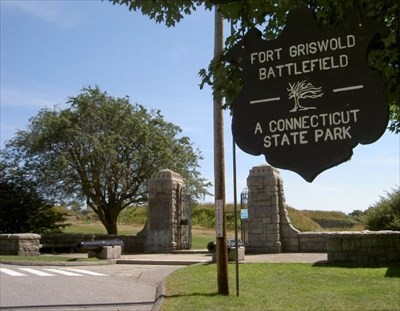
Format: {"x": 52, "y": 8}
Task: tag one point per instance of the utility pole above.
{"x": 219, "y": 172}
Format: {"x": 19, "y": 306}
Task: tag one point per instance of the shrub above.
{"x": 204, "y": 215}
{"x": 133, "y": 215}
{"x": 385, "y": 214}
{"x": 23, "y": 210}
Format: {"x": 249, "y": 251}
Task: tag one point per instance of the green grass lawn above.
{"x": 95, "y": 227}
{"x": 200, "y": 236}
{"x": 285, "y": 287}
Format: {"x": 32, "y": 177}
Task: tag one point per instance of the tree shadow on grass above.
{"x": 393, "y": 271}
{"x": 193, "y": 295}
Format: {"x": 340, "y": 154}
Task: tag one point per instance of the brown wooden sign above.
{"x": 309, "y": 96}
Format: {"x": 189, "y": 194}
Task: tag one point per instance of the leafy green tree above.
{"x": 270, "y": 17}
{"x": 385, "y": 214}
{"x": 23, "y": 209}
{"x": 103, "y": 150}
{"x": 358, "y": 215}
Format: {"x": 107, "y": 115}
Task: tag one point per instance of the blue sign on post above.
{"x": 244, "y": 213}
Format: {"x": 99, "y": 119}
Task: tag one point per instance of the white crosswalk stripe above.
{"x": 88, "y": 272}
{"x": 63, "y": 272}
{"x": 49, "y": 272}
{"x": 11, "y": 272}
{"x": 36, "y": 272}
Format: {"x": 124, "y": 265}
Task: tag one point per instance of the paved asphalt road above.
{"x": 129, "y": 285}
{"x": 100, "y": 287}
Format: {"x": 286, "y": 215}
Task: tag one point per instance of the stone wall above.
{"x": 270, "y": 229}
{"x": 294, "y": 241}
{"x": 20, "y": 244}
{"x": 68, "y": 242}
{"x": 364, "y": 248}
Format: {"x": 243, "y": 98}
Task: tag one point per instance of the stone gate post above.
{"x": 264, "y": 197}
{"x": 162, "y": 221}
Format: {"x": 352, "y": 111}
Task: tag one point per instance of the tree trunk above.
{"x": 112, "y": 228}
{"x": 110, "y": 222}
{"x": 108, "y": 216}
{"x": 296, "y": 104}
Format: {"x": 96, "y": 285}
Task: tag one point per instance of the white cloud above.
{"x": 11, "y": 98}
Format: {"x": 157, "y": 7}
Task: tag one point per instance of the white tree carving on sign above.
{"x": 302, "y": 90}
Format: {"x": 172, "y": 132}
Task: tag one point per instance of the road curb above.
{"x": 160, "y": 296}
{"x": 161, "y": 290}
{"x": 160, "y": 262}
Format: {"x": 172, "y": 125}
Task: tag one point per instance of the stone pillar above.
{"x": 164, "y": 192}
{"x": 264, "y": 194}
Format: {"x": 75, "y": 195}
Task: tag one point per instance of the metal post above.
{"x": 219, "y": 169}
{"x": 236, "y": 216}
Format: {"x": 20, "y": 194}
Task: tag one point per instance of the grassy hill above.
{"x": 203, "y": 219}
{"x": 306, "y": 220}
{"x": 302, "y": 222}
{"x": 331, "y": 219}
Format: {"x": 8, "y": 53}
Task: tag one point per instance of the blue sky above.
{"x": 50, "y": 50}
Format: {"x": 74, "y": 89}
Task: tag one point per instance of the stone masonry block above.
{"x": 334, "y": 244}
{"x": 232, "y": 254}
{"x": 107, "y": 252}
{"x": 255, "y": 182}
{"x": 20, "y": 244}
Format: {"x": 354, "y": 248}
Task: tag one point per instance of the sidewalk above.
{"x": 186, "y": 258}
{"x": 180, "y": 258}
